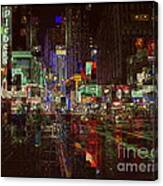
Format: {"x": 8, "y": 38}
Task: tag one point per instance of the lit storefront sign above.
{"x": 117, "y": 103}
{"x": 137, "y": 93}
{"x": 61, "y": 52}
{"x": 94, "y": 90}
{"x": 89, "y": 67}
{"x": 6, "y": 34}
{"x": 21, "y": 54}
{"x": 88, "y": 99}
{"x": 148, "y": 88}
{"x": 21, "y": 63}
{"x": 77, "y": 77}
{"x": 19, "y": 94}
{"x": 16, "y": 71}
{"x": 144, "y": 90}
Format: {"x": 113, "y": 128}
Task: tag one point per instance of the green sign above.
{"x": 93, "y": 90}
{"x": 88, "y": 68}
{"x": 21, "y": 54}
{"x": 137, "y": 93}
{"x": 23, "y": 63}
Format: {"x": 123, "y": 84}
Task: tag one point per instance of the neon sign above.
{"x": 89, "y": 67}
{"x": 61, "y": 52}
{"x": 58, "y": 19}
{"x": 6, "y": 34}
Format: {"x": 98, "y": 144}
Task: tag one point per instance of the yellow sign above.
{"x": 77, "y": 145}
{"x": 61, "y": 52}
{"x": 77, "y": 77}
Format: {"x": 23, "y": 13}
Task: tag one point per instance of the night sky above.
{"x": 47, "y": 13}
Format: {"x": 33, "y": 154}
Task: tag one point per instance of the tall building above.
{"x": 55, "y": 51}
{"x": 77, "y": 37}
{"x": 21, "y": 21}
{"x": 122, "y": 51}
{"x": 125, "y": 22}
{"x": 25, "y": 50}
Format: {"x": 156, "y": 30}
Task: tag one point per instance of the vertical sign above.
{"x": 88, "y": 68}
{"x": 6, "y": 34}
{"x": 6, "y": 45}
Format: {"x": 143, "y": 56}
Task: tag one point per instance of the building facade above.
{"x": 126, "y": 22}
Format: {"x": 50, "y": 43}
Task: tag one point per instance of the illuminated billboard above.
{"x": 58, "y": 19}
{"x": 60, "y": 50}
{"x": 93, "y": 90}
{"x": 89, "y": 65}
{"x": 137, "y": 93}
{"x": 6, "y": 33}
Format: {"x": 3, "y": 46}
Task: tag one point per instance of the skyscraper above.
{"x": 77, "y": 37}
{"x": 125, "y": 22}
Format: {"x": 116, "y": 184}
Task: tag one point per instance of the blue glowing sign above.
{"x": 68, "y": 103}
{"x": 58, "y": 19}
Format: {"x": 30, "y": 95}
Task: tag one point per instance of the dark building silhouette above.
{"x": 120, "y": 25}
{"x": 77, "y": 37}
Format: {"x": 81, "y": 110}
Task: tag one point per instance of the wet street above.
{"x": 64, "y": 149}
